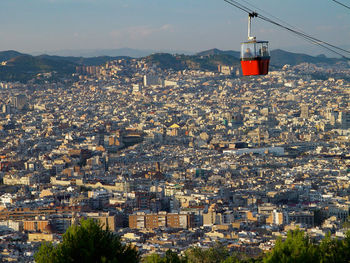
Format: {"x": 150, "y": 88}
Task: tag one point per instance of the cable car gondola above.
{"x": 255, "y": 56}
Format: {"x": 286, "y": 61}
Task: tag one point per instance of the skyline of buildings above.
{"x": 171, "y": 159}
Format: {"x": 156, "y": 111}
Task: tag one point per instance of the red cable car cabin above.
{"x": 255, "y": 58}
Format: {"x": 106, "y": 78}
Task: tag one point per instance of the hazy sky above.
{"x": 190, "y": 25}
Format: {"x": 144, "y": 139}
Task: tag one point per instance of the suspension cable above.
{"x": 339, "y": 3}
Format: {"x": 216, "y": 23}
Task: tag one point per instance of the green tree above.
{"x": 169, "y": 257}
{"x": 215, "y": 254}
{"x": 153, "y": 258}
{"x": 48, "y": 253}
{"x": 346, "y": 224}
{"x": 87, "y": 242}
{"x": 335, "y": 250}
{"x": 346, "y": 247}
{"x": 330, "y": 250}
{"x": 296, "y": 248}
{"x": 173, "y": 257}
{"x": 231, "y": 259}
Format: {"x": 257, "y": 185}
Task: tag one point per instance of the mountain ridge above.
{"x": 117, "y": 52}
{"x": 215, "y": 51}
{"x": 20, "y": 66}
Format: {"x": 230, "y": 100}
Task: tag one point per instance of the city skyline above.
{"x": 52, "y": 25}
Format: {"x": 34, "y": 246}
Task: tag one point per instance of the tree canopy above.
{"x": 298, "y": 247}
{"x": 87, "y": 242}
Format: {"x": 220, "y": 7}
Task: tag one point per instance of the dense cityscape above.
{"x": 170, "y": 159}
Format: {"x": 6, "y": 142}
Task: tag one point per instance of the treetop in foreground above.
{"x": 87, "y": 242}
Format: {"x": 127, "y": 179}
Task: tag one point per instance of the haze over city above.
{"x": 183, "y": 25}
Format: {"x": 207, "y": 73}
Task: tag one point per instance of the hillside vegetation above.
{"x": 23, "y": 67}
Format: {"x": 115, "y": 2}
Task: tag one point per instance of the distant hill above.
{"x": 166, "y": 61}
{"x": 25, "y": 67}
{"x": 92, "y": 61}
{"x": 6, "y": 55}
{"x": 22, "y": 67}
{"x": 118, "y": 52}
{"x": 180, "y": 62}
{"x": 211, "y": 62}
{"x": 210, "y": 59}
{"x": 216, "y": 51}
{"x": 280, "y": 57}
{"x": 27, "y": 63}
